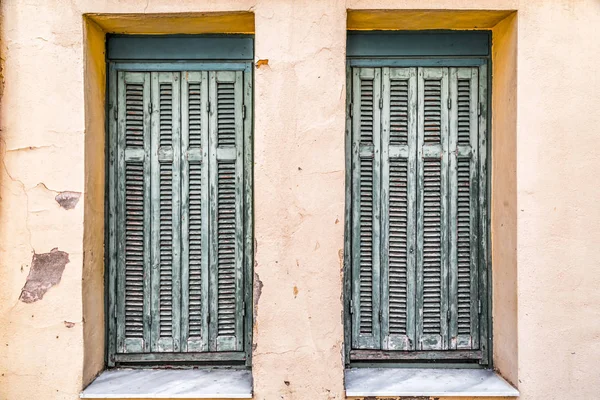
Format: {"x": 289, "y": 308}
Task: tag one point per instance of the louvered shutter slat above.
{"x": 226, "y": 211}
{"x": 398, "y": 203}
{"x": 133, "y": 208}
{"x": 432, "y": 254}
{"x": 195, "y": 226}
{"x": 463, "y": 176}
{"x": 366, "y": 143}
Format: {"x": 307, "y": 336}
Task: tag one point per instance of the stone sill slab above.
{"x": 390, "y": 382}
{"x": 170, "y": 384}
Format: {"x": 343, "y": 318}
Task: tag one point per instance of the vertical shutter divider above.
{"x": 473, "y": 207}
{"x": 176, "y": 193}
{"x": 120, "y": 216}
{"x": 147, "y": 216}
{"x": 113, "y": 182}
{"x": 483, "y": 213}
{"x": 453, "y": 211}
{"x": 212, "y": 218}
{"x": 248, "y": 216}
{"x": 386, "y": 342}
{"x": 155, "y": 204}
{"x": 239, "y": 210}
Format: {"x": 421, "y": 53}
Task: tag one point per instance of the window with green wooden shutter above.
{"x": 179, "y": 193}
{"x": 417, "y": 214}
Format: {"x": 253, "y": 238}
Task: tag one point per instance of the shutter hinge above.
{"x": 115, "y": 312}
{"x": 115, "y": 116}
{"x": 149, "y": 320}
{"x": 208, "y": 106}
{"x": 380, "y": 313}
{"x": 480, "y": 111}
{"x": 351, "y": 307}
{"x": 478, "y": 306}
{"x": 243, "y": 308}
{"x": 208, "y": 319}
{"x": 449, "y": 103}
{"x": 351, "y": 110}
{"x": 150, "y": 108}
{"x": 448, "y": 315}
{"x": 243, "y": 112}
{"x": 380, "y": 102}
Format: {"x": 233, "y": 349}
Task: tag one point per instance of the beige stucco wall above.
{"x": 546, "y": 101}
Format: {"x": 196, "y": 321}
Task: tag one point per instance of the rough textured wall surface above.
{"x": 299, "y": 193}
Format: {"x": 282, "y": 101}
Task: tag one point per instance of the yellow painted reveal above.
{"x": 186, "y": 23}
{"x": 362, "y": 20}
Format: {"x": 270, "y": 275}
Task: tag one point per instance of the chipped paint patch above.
{"x": 68, "y": 200}
{"x": 262, "y": 62}
{"x": 258, "y": 286}
{"x": 46, "y": 271}
{"x": 69, "y": 324}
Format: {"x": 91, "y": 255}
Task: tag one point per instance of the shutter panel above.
{"x": 195, "y": 243}
{"x": 133, "y": 209}
{"x": 366, "y": 143}
{"x": 165, "y": 196}
{"x": 432, "y": 188}
{"x": 463, "y": 222}
{"x": 398, "y": 175}
{"x": 226, "y": 210}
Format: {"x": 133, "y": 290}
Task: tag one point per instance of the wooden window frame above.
{"x": 379, "y": 49}
{"x": 210, "y": 53}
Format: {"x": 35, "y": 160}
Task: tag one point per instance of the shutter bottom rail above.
{"x": 442, "y": 356}
{"x": 140, "y": 358}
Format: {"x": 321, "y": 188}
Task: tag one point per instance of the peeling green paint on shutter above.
{"x": 366, "y": 158}
{"x": 133, "y": 208}
{"x": 226, "y": 211}
{"x": 463, "y": 176}
{"x": 432, "y": 209}
{"x": 398, "y": 204}
{"x": 194, "y": 108}
{"x": 166, "y": 213}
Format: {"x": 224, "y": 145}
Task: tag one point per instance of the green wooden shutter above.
{"x": 366, "y": 156}
{"x": 432, "y": 189}
{"x": 195, "y": 254}
{"x": 166, "y": 214}
{"x": 133, "y": 306}
{"x": 181, "y": 192}
{"x": 463, "y": 221}
{"x": 398, "y": 204}
{"x": 226, "y": 210}
{"x": 418, "y": 211}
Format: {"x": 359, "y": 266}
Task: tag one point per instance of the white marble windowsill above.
{"x": 170, "y": 384}
{"x": 426, "y": 382}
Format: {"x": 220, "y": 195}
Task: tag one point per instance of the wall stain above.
{"x": 296, "y": 291}
{"x": 68, "y": 200}
{"x": 46, "y": 271}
